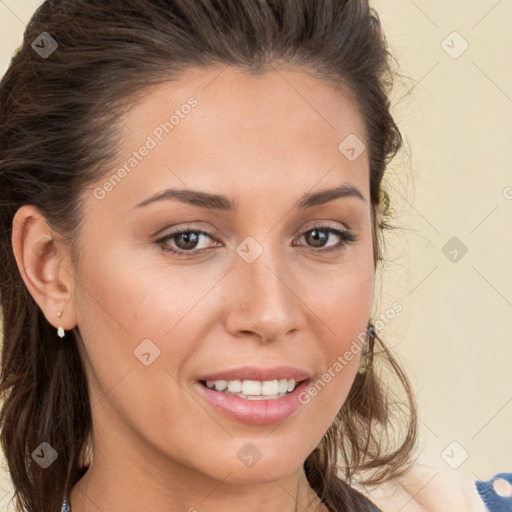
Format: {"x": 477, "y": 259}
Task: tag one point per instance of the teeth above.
{"x": 283, "y": 386}
{"x": 269, "y": 387}
{"x": 220, "y": 385}
{"x": 251, "y": 387}
{"x": 254, "y": 389}
{"x": 235, "y": 386}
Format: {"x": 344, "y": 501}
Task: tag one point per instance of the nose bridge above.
{"x": 265, "y": 301}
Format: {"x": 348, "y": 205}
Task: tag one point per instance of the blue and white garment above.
{"x": 496, "y": 493}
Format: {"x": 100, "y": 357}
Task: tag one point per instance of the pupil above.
{"x": 316, "y": 237}
{"x": 190, "y": 239}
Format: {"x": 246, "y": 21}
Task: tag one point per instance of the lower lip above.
{"x": 256, "y": 412}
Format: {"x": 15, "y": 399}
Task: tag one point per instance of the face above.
{"x": 176, "y": 287}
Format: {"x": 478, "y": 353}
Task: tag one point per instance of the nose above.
{"x": 264, "y": 299}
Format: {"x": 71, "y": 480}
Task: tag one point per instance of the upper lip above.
{"x": 256, "y": 373}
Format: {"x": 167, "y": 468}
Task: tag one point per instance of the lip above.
{"x": 254, "y": 412}
{"x": 255, "y": 373}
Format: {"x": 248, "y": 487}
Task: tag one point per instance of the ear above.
{"x": 45, "y": 266}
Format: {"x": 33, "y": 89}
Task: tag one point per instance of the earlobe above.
{"x": 42, "y": 265}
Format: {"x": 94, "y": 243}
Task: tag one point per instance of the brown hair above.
{"x": 58, "y": 133}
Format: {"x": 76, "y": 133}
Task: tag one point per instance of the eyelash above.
{"x": 347, "y": 237}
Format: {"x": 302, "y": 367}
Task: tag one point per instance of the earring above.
{"x": 60, "y": 330}
{"x": 367, "y": 350}
{"x": 362, "y": 364}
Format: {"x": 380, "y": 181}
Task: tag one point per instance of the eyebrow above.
{"x": 220, "y": 202}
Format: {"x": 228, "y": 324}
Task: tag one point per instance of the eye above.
{"x": 318, "y": 235}
{"x": 185, "y": 240}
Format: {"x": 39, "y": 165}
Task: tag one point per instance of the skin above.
{"x": 263, "y": 143}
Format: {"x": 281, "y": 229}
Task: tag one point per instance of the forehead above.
{"x": 279, "y": 96}
{"x": 221, "y": 125}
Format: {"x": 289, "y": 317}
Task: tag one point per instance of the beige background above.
{"x": 454, "y": 333}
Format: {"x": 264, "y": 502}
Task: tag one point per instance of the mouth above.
{"x": 257, "y": 402}
{"x": 254, "y": 389}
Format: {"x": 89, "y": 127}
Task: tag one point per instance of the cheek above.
{"x": 123, "y": 316}
{"x": 125, "y": 295}
{"x": 133, "y": 311}
{"x": 347, "y": 304}
{"x": 344, "y": 297}
{"x": 343, "y": 303}
{"x": 117, "y": 310}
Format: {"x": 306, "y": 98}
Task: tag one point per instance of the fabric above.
{"x": 430, "y": 486}
{"x": 497, "y": 492}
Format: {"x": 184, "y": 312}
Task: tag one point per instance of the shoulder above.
{"x": 430, "y": 487}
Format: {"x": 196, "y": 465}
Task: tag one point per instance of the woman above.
{"x": 192, "y": 205}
